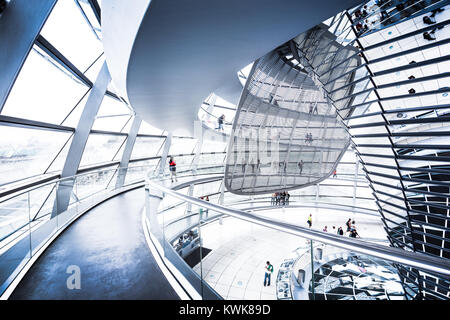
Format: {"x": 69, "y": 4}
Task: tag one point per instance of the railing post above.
{"x": 198, "y": 133}
{"x": 131, "y": 139}
{"x": 189, "y": 205}
{"x": 147, "y": 201}
{"x": 165, "y": 153}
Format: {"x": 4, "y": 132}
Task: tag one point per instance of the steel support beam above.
{"x": 131, "y": 139}
{"x": 79, "y": 140}
{"x": 189, "y": 205}
{"x": 20, "y": 24}
{"x": 165, "y": 153}
{"x": 212, "y": 103}
{"x": 355, "y": 183}
{"x": 97, "y": 11}
{"x": 222, "y": 192}
{"x": 26, "y": 123}
{"x": 198, "y": 133}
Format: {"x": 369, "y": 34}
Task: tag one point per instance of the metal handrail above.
{"x": 396, "y": 255}
{"x": 55, "y": 182}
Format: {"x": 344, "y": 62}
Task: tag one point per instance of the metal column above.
{"x": 198, "y": 133}
{"x": 20, "y": 24}
{"x": 73, "y": 159}
{"x": 165, "y": 153}
{"x": 131, "y": 139}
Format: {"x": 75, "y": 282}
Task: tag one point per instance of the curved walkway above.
{"x": 108, "y": 244}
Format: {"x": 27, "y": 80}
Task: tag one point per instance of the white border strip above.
{"x": 178, "y": 282}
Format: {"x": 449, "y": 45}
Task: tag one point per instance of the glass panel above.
{"x": 343, "y": 275}
{"x": 183, "y": 161}
{"x": 147, "y": 147}
{"x": 111, "y": 123}
{"x": 59, "y": 161}
{"x": 111, "y": 106}
{"x": 91, "y": 183}
{"x": 95, "y": 67}
{"x": 44, "y": 227}
{"x": 182, "y": 146}
{"x": 209, "y": 160}
{"x": 14, "y": 216}
{"x": 146, "y": 128}
{"x": 213, "y": 146}
{"x": 138, "y": 170}
{"x": 44, "y": 202}
{"x": 43, "y": 91}
{"x": 112, "y": 115}
{"x": 27, "y": 152}
{"x": 72, "y": 119}
{"x": 101, "y": 148}
{"x": 90, "y": 16}
{"x": 69, "y": 32}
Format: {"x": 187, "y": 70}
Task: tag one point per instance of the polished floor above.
{"x": 108, "y": 245}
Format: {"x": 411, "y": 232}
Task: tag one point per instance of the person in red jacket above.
{"x": 173, "y": 169}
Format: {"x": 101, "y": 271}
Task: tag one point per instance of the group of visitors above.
{"x": 360, "y": 19}
{"x": 277, "y": 167}
{"x": 391, "y": 11}
{"x": 282, "y": 167}
{"x": 386, "y": 12}
{"x": 427, "y": 35}
{"x": 351, "y": 228}
{"x": 430, "y": 20}
{"x": 350, "y": 224}
{"x": 280, "y": 198}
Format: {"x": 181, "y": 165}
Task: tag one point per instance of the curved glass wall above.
{"x": 399, "y": 124}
